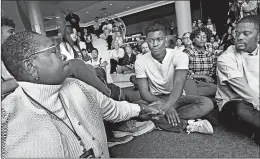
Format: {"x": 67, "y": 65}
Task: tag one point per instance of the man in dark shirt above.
{"x": 73, "y": 19}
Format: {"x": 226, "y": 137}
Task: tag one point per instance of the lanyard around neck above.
{"x": 53, "y": 114}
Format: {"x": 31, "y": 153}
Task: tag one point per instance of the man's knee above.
{"x": 244, "y": 109}
{"x": 206, "y": 104}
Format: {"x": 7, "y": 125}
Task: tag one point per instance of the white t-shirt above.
{"x": 117, "y": 54}
{"x": 179, "y": 48}
{"x": 98, "y": 62}
{"x": 160, "y": 75}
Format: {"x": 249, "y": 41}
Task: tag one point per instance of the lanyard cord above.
{"x": 51, "y": 113}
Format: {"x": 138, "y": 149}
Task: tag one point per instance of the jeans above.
{"x": 191, "y": 106}
{"x": 113, "y": 64}
{"x": 240, "y": 111}
{"x": 188, "y": 107}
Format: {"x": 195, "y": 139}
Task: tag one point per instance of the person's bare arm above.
{"x": 103, "y": 64}
{"x": 145, "y": 92}
{"x": 8, "y": 86}
{"x": 178, "y": 85}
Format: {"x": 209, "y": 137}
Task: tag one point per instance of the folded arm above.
{"x": 240, "y": 86}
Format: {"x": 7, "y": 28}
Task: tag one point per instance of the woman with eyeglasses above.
{"x": 202, "y": 62}
{"x": 70, "y": 44}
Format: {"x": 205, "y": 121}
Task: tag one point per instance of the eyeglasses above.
{"x": 55, "y": 50}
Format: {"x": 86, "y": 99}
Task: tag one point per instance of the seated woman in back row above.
{"x": 126, "y": 64}
{"x": 202, "y": 63}
{"x": 70, "y": 44}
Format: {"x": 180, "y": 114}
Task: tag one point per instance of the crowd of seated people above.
{"x": 60, "y": 93}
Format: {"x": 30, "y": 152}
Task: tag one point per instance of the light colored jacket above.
{"x": 28, "y": 131}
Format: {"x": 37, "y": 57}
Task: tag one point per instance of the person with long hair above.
{"x": 70, "y": 44}
{"x": 87, "y": 38}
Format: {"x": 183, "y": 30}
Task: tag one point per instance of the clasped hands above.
{"x": 159, "y": 109}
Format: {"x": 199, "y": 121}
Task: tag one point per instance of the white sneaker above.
{"x": 201, "y": 126}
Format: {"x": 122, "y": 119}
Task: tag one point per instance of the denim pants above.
{"x": 238, "y": 112}
{"x": 191, "y": 106}
{"x": 188, "y": 107}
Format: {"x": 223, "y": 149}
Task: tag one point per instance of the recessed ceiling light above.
{"x": 110, "y": 4}
{"x": 87, "y": 12}
{"x": 128, "y": 7}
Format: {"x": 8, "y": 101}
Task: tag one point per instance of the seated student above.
{"x": 115, "y": 55}
{"x": 70, "y": 44}
{"x": 202, "y": 63}
{"x": 126, "y": 63}
{"x": 230, "y": 41}
{"x": 238, "y": 78}
{"x": 87, "y": 38}
{"x": 145, "y": 49}
{"x": 161, "y": 76}
{"x": 117, "y": 37}
{"x": 179, "y": 45}
{"x": 212, "y": 45}
{"x": 50, "y": 115}
{"x": 96, "y": 60}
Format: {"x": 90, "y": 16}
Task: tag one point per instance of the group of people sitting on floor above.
{"x": 58, "y": 107}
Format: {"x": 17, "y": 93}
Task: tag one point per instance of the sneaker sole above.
{"x": 146, "y": 130}
{"x": 118, "y": 134}
{"x": 209, "y": 126}
{"x": 111, "y": 144}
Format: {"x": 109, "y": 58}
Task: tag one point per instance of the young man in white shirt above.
{"x": 238, "y": 77}
{"x": 161, "y": 76}
{"x": 63, "y": 117}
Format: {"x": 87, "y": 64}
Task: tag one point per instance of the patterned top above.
{"x": 202, "y": 63}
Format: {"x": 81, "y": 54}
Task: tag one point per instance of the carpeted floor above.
{"x": 224, "y": 143}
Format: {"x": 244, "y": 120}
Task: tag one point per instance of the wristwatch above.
{"x": 142, "y": 110}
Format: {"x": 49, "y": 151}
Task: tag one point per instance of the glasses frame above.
{"x": 43, "y": 50}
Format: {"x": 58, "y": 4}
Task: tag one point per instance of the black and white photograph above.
{"x": 130, "y": 79}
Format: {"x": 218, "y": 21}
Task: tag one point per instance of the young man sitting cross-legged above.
{"x": 161, "y": 76}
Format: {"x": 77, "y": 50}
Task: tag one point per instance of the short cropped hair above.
{"x": 7, "y": 22}
{"x": 155, "y": 26}
{"x": 197, "y": 31}
{"x": 255, "y": 19}
{"x": 16, "y": 48}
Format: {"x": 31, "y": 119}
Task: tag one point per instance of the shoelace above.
{"x": 196, "y": 126}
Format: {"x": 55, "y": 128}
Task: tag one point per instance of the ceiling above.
{"x": 88, "y": 10}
